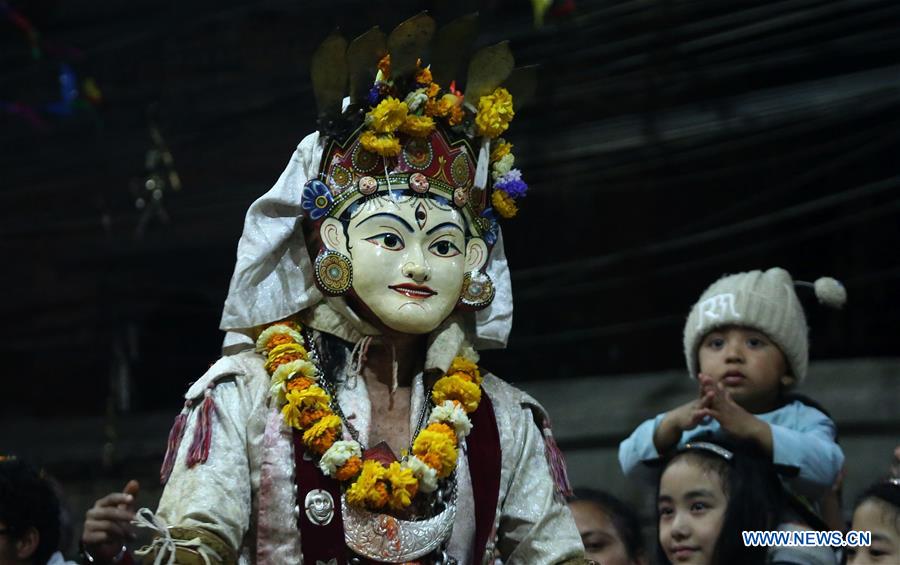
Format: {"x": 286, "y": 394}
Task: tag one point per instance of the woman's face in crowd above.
{"x": 601, "y": 539}
{"x": 409, "y": 257}
{"x": 883, "y": 521}
{"x": 691, "y": 508}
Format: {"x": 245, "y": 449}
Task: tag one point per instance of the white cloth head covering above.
{"x": 273, "y": 274}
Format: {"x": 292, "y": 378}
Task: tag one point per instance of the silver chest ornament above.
{"x": 319, "y": 507}
{"x": 388, "y": 539}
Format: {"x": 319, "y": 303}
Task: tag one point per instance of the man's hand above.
{"x": 107, "y": 525}
{"x": 732, "y": 417}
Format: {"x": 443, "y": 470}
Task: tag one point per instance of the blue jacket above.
{"x": 802, "y": 438}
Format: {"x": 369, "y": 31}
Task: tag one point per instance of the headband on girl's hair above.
{"x": 711, "y": 447}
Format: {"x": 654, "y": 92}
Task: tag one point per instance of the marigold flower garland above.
{"x": 307, "y": 407}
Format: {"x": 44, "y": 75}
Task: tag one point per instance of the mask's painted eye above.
{"x": 387, "y": 240}
{"x": 444, "y": 248}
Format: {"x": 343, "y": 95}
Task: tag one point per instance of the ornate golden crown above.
{"x": 403, "y": 131}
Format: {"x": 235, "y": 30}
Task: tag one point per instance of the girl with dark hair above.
{"x": 709, "y": 493}
{"x": 878, "y": 511}
{"x": 29, "y": 514}
{"x": 610, "y": 530}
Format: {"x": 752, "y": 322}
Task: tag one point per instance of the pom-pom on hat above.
{"x": 763, "y": 300}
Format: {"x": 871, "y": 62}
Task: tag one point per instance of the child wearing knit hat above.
{"x": 745, "y": 341}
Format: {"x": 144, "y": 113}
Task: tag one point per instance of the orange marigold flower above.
{"x": 378, "y": 496}
{"x": 423, "y": 76}
{"x": 274, "y": 362}
{"x": 278, "y": 339}
{"x": 384, "y": 65}
{"x": 433, "y": 460}
{"x": 349, "y": 469}
{"x": 309, "y": 416}
{"x": 442, "y": 428}
{"x": 433, "y": 90}
{"x": 321, "y": 435}
{"x": 299, "y": 383}
{"x": 322, "y": 443}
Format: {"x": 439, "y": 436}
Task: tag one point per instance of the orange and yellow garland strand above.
{"x": 306, "y": 406}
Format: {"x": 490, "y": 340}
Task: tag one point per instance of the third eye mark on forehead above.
{"x": 406, "y": 224}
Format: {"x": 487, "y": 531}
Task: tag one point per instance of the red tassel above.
{"x": 174, "y": 443}
{"x": 557, "y": 463}
{"x": 199, "y": 450}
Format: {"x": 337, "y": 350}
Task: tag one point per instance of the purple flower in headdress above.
{"x": 376, "y": 93}
{"x": 316, "y": 199}
{"x": 512, "y": 184}
{"x": 493, "y": 231}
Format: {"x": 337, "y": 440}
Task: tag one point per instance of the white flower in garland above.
{"x": 416, "y": 99}
{"x": 451, "y": 413}
{"x": 426, "y": 475}
{"x": 337, "y": 456}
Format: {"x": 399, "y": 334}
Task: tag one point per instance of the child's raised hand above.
{"x": 731, "y": 416}
{"x": 685, "y": 417}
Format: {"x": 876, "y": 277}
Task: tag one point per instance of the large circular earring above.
{"x": 477, "y": 290}
{"x": 334, "y": 273}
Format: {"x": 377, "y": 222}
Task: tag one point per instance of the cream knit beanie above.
{"x": 765, "y": 301}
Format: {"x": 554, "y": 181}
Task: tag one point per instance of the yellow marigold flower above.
{"x": 468, "y": 394}
{"x": 495, "y": 111}
{"x": 384, "y": 144}
{"x": 442, "y": 428}
{"x": 364, "y": 492}
{"x": 321, "y": 435}
{"x": 349, "y": 469}
{"x": 404, "y": 486}
{"x": 310, "y": 397}
{"x": 423, "y": 76}
{"x": 463, "y": 365}
{"x": 433, "y": 90}
{"x": 384, "y": 65}
{"x": 387, "y": 116}
{"x": 504, "y": 204}
{"x": 500, "y": 150}
{"x": 417, "y": 126}
{"x": 436, "y": 450}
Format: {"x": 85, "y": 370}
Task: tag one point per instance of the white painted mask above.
{"x": 409, "y": 255}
